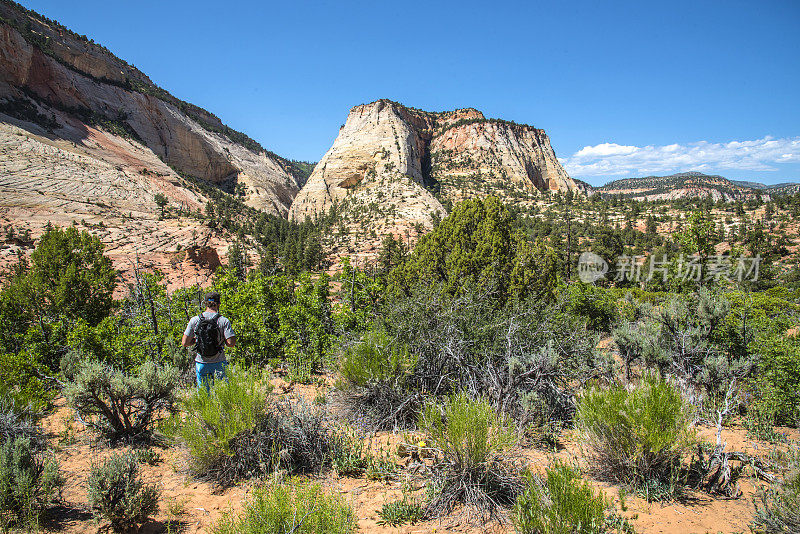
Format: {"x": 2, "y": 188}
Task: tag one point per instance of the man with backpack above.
{"x": 210, "y": 332}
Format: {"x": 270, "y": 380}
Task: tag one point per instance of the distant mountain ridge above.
{"x": 693, "y": 184}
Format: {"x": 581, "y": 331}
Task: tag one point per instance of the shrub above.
{"x": 214, "y": 417}
{"x": 779, "y": 512}
{"x": 637, "y": 436}
{"x": 295, "y": 507}
{"x": 527, "y": 359}
{"x": 376, "y": 370}
{"x": 232, "y": 431}
{"x": 15, "y": 422}
{"x": 124, "y": 405}
{"x": 761, "y": 414}
{"x": 595, "y": 304}
{"x": 293, "y": 438}
{"x": 28, "y": 482}
{"x": 21, "y": 385}
{"x": 560, "y": 504}
{"x": 779, "y": 373}
{"x": 116, "y": 493}
{"x": 375, "y": 359}
{"x": 399, "y": 512}
{"x": 637, "y": 342}
{"x": 470, "y": 435}
{"x": 468, "y": 432}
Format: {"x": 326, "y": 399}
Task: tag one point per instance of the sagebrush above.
{"x": 118, "y": 494}
{"x": 119, "y": 404}
{"x": 29, "y": 481}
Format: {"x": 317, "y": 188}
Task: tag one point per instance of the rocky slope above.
{"x": 476, "y": 157}
{"x": 45, "y": 69}
{"x": 692, "y": 184}
{"x": 104, "y": 184}
{"x": 391, "y": 167}
{"x": 87, "y": 139}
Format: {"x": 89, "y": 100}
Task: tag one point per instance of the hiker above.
{"x": 210, "y": 332}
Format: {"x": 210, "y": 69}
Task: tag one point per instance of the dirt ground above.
{"x": 192, "y": 506}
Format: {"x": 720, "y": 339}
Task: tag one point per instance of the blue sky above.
{"x": 622, "y": 88}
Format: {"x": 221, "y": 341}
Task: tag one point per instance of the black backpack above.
{"x": 206, "y": 335}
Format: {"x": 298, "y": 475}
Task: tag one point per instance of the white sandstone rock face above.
{"x": 510, "y": 155}
{"x": 460, "y": 153}
{"x": 376, "y": 151}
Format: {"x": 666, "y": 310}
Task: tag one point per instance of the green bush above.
{"x": 779, "y": 373}
{"x": 21, "y": 384}
{"x": 595, "y": 304}
{"x": 278, "y": 320}
{"x": 560, "y": 504}
{"x": 117, "y": 494}
{"x": 762, "y": 413}
{"x": 29, "y": 481}
{"x": 779, "y": 512}
{"x": 375, "y": 371}
{"x": 468, "y": 432}
{"x": 234, "y": 431}
{"x": 470, "y": 436}
{"x": 123, "y": 405}
{"x": 375, "y": 359}
{"x": 294, "y": 507}
{"x": 637, "y": 436}
{"x": 214, "y": 417}
{"x": 306, "y": 326}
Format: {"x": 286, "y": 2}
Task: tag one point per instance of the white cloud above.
{"x": 605, "y": 149}
{"x": 611, "y": 159}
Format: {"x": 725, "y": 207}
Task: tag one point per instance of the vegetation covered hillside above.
{"x": 442, "y": 373}
{"x": 692, "y": 184}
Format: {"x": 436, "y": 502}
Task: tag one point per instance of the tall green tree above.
{"x": 67, "y": 284}
{"x": 480, "y": 244}
{"x": 68, "y": 279}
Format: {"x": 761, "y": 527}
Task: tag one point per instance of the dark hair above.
{"x": 212, "y": 297}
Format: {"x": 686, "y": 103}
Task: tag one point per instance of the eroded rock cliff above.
{"x": 441, "y": 156}
{"x": 45, "y": 65}
{"x": 391, "y": 167}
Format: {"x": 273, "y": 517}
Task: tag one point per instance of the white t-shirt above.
{"x": 225, "y": 332}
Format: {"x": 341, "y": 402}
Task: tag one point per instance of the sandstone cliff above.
{"x": 87, "y": 139}
{"x": 480, "y": 157}
{"x": 105, "y": 184}
{"x": 43, "y": 64}
{"x": 451, "y": 155}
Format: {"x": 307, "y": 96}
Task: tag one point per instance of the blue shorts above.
{"x": 206, "y": 372}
